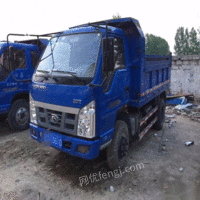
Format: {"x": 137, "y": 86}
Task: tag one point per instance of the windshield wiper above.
{"x": 73, "y": 74}
{"x": 47, "y": 75}
{"x": 44, "y": 71}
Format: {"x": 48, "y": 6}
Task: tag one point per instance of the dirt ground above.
{"x": 168, "y": 169}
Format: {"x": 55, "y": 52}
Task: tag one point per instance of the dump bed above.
{"x": 150, "y": 79}
{"x": 149, "y": 75}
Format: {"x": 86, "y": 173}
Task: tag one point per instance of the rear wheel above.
{"x": 18, "y": 117}
{"x": 117, "y": 150}
{"x": 160, "y": 115}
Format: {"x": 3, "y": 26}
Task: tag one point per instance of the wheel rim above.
{"x": 123, "y": 147}
{"x": 22, "y": 116}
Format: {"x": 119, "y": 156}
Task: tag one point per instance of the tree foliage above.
{"x": 194, "y": 43}
{"x": 117, "y": 16}
{"x": 187, "y": 40}
{"x": 186, "y": 43}
{"x": 156, "y": 45}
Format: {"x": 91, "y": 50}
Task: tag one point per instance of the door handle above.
{"x": 127, "y": 89}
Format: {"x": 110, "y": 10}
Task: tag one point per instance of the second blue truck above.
{"x": 95, "y": 88}
{"x": 18, "y": 61}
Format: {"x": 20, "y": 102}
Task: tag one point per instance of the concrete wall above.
{"x": 185, "y": 75}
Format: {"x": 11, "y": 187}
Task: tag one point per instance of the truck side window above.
{"x": 119, "y": 61}
{"x": 19, "y": 59}
{"x": 119, "y": 57}
{"x": 34, "y": 58}
{"x": 4, "y": 66}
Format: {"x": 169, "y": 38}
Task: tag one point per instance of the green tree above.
{"x": 186, "y": 43}
{"x": 117, "y": 16}
{"x": 194, "y": 43}
{"x": 156, "y": 45}
{"x": 186, "y": 46}
{"x": 180, "y": 39}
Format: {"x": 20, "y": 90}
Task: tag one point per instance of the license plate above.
{"x": 53, "y": 139}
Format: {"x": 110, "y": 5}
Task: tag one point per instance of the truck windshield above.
{"x": 71, "y": 55}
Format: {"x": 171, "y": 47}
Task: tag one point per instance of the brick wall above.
{"x": 185, "y": 75}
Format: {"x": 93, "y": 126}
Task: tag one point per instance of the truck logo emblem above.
{"x": 54, "y": 118}
{"x": 77, "y": 101}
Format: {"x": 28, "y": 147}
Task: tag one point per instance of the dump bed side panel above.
{"x": 155, "y": 79}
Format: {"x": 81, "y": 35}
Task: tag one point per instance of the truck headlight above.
{"x": 33, "y": 117}
{"x": 86, "y": 121}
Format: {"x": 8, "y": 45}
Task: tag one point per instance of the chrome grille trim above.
{"x": 57, "y": 108}
{"x": 66, "y": 117}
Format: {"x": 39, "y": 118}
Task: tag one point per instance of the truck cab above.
{"x": 18, "y": 61}
{"x": 94, "y": 88}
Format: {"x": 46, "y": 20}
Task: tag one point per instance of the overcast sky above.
{"x": 161, "y": 18}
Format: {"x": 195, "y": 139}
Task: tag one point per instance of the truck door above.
{"x": 116, "y": 87}
{"x": 19, "y": 65}
{"x": 8, "y": 86}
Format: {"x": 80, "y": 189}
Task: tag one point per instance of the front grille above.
{"x": 64, "y": 122}
{"x": 51, "y": 113}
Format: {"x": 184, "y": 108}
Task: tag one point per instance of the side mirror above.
{"x": 108, "y": 54}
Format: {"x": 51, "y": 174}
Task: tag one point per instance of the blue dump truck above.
{"x": 94, "y": 89}
{"x": 17, "y": 63}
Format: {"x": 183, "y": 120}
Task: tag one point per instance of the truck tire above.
{"x": 18, "y": 117}
{"x": 3, "y": 117}
{"x": 160, "y": 115}
{"x": 117, "y": 150}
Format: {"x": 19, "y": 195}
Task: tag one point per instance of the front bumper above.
{"x": 65, "y": 143}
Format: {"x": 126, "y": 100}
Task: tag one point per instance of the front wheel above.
{"x": 117, "y": 150}
{"x": 18, "y": 117}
